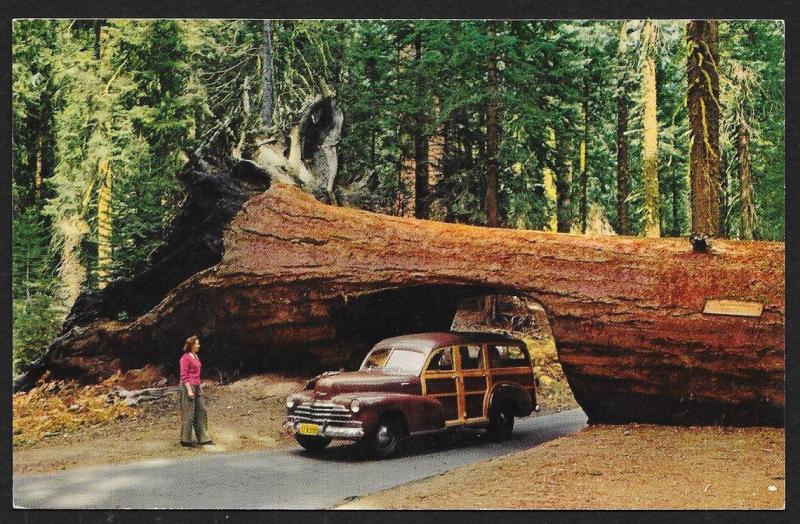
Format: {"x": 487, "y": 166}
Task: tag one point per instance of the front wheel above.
{"x": 501, "y": 422}
{"x": 312, "y": 443}
{"x": 385, "y": 440}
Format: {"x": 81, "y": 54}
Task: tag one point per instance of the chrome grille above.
{"x": 321, "y": 412}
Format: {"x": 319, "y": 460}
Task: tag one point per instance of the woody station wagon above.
{"x": 417, "y": 384}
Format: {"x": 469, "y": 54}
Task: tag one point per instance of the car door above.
{"x": 473, "y": 382}
{"x": 440, "y": 380}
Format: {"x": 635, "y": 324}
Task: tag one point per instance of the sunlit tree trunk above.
{"x": 652, "y": 221}
{"x": 745, "y": 181}
{"x": 104, "y": 222}
{"x": 104, "y": 171}
{"x": 704, "y": 110}
{"x": 72, "y": 271}
{"x": 549, "y": 182}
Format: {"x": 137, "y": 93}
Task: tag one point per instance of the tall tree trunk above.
{"x": 724, "y": 195}
{"x": 563, "y": 185}
{"x": 104, "y": 171}
{"x": 37, "y": 173}
{"x": 246, "y": 110}
{"x": 704, "y": 110}
{"x": 372, "y": 76}
{"x": 745, "y": 182}
{"x": 421, "y": 160}
{"x": 584, "y": 204}
{"x": 652, "y": 204}
{"x": 492, "y": 133}
{"x": 266, "y": 75}
{"x": 492, "y": 162}
{"x": 446, "y": 164}
{"x": 623, "y": 171}
{"x": 549, "y": 182}
{"x": 676, "y": 195}
{"x": 104, "y": 222}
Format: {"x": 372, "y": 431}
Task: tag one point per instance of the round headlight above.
{"x": 355, "y": 405}
{"x": 289, "y": 402}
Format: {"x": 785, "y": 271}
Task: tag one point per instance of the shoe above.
{"x": 207, "y": 443}
{"x": 187, "y": 444}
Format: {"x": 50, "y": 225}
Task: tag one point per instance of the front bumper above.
{"x": 351, "y": 429}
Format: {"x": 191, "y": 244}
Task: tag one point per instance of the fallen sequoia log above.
{"x": 309, "y": 285}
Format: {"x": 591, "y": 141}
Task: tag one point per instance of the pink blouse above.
{"x": 190, "y": 369}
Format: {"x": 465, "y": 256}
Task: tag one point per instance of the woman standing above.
{"x": 193, "y": 407}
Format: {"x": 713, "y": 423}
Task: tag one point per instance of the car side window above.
{"x": 507, "y": 356}
{"x": 442, "y": 360}
{"x": 471, "y": 357}
{"x": 376, "y": 359}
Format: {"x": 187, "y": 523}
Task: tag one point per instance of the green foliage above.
{"x": 752, "y": 84}
{"x": 36, "y": 314}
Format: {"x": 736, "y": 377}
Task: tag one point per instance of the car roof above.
{"x": 427, "y": 342}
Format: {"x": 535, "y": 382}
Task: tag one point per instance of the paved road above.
{"x": 278, "y": 479}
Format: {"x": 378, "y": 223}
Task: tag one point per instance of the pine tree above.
{"x": 421, "y": 160}
{"x": 492, "y": 132}
{"x": 266, "y": 75}
{"x": 623, "y": 172}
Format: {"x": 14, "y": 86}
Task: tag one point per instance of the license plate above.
{"x": 308, "y": 429}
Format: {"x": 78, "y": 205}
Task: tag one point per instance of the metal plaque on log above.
{"x": 733, "y": 307}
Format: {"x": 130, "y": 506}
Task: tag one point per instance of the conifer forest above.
{"x": 649, "y": 128}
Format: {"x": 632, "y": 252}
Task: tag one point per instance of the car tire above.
{"x": 385, "y": 440}
{"x": 312, "y": 443}
{"x": 501, "y": 421}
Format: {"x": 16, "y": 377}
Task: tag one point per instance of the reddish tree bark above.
{"x": 306, "y": 283}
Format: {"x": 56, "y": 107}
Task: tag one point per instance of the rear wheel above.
{"x": 311, "y": 442}
{"x": 501, "y": 421}
{"x": 385, "y": 440}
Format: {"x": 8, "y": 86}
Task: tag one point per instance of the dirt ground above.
{"x": 614, "y": 467}
{"x": 244, "y": 415}
{"x": 601, "y": 467}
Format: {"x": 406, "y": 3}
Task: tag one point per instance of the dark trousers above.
{"x": 193, "y": 415}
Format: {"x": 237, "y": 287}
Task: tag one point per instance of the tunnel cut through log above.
{"x": 627, "y": 313}
{"x": 363, "y": 320}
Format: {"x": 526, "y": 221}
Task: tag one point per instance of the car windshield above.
{"x": 395, "y": 360}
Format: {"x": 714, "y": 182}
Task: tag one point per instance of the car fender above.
{"x": 420, "y": 413}
{"x": 511, "y": 392}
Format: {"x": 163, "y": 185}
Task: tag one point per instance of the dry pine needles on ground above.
{"x": 54, "y": 407}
